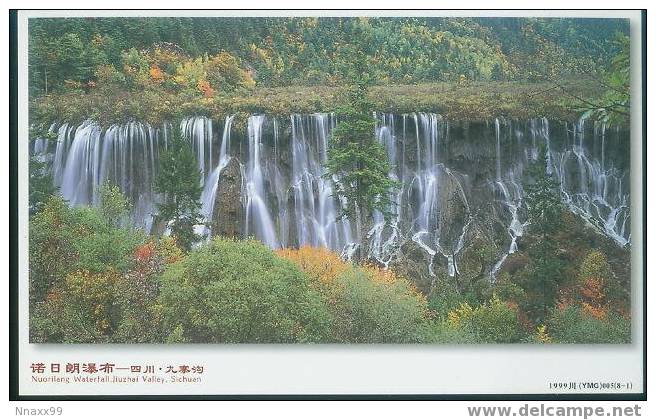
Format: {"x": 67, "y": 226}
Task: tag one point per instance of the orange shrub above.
{"x": 320, "y": 264}
{"x": 156, "y": 74}
{"x": 144, "y": 252}
{"x": 205, "y": 87}
{"x": 592, "y": 291}
{"x": 598, "y": 312}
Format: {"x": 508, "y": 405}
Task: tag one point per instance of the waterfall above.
{"x": 511, "y": 194}
{"x": 316, "y": 209}
{"x": 593, "y": 188}
{"x": 124, "y": 155}
{"x": 258, "y": 219}
{"x": 198, "y": 130}
{"x": 429, "y": 187}
{"x": 449, "y": 175}
{"x": 382, "y": 248}
{"x": 80, "y": 177}
{"x": 497, "y": 134}
{"x": 208, "y": 197}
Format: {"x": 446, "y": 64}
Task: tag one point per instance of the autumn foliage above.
{"x": 320, "y": 264}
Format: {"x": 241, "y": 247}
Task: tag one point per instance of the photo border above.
{"x": 14, "y": 357}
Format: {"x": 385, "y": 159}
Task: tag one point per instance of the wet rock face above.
{"x": 477, "y": 256}
{"x": 412, "y": 262}
{"x": 228, "y": 209}
{"x": 454, "y": 210}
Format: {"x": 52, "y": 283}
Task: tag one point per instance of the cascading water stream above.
{"x": 593, "y": 189}
{"x": 381, "y": 248}
{"x": 208, "y": 197}
{"x": 198, "y": 130}
{"x": 511, "y": 198}
{"x": 447, "y": 174}
{"x": 315, "y": 207}
{"x": 258, "y": 219}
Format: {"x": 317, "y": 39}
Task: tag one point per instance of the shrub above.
{"x": 54, "y": 234}
{"x": 443, "y": 299}
{"x": 444, "y": 333}
{"x": 225, "y": 74}
{"x": 106, "y": 248}
{"x": 373, "y": 309}
{"x": 598, "y": 285}
{"x": 113, "y": 204}
{"x": 137, "y": 293}
{"x": 240, "y": 292}
{"x": 65, "y": 239}
{"x": 40, "y": 185}
{"x": 493, "y": 322}
{"x": 571, "y": 324}
{"x": 107, "y": 306}
{"x": 80, "y": 310}
{"x": 321, "y": 265}
{"x": 368, "y": 304}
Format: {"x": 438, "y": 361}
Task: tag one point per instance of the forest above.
{"x": 329, "y": 180}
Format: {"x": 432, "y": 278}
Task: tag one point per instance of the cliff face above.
{"x": 228, "y": 208}
{"x": 459, "y": 213}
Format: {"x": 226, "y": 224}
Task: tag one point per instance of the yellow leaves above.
{"x": 94, "y": 293}
{"x": 542, "y": 335}
{"x": 320, "y": 264}
{"x": 190, "y": 73}
{"x": 98, "y": 40}
{"x": 168, "y": 249}
{"x": 465, "y": 311}
{"x": 460, "y": 315}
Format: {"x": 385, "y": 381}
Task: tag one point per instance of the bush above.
{"x": 598, "y": 285}
{"x": 368, "y": 304}
{"x": 493, "y": 322}
{"x": 373, "y": 309}
{"x": 224, "y": 73}
{"x": 573, "y": 325}
{"x": 89, "y": 280}
{"x": 106, "y": 248}
{"x": 240, "y": 292}
{"x": 107, "y": 306}
{"x": 137, "y": 293}
{"x": 443, "y": 299}
{"x": 80, "y": 310}
{"x": 65, "y": 239}
{"x": 321, "y": 265}
{"x": 444, "y": 333}
{"x": 113, "y": 204}
{"x": 54, "y": 234}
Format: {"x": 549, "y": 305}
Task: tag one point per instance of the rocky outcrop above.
{"x": 413, "y": 262}
{"x": 228, "y": 215}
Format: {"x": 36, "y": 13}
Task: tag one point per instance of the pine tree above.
{"x": 355, "y": 158}
{"x": 544, "y": 212}
{"x": 41, "y": 186}
{"x": 178, "y": 180}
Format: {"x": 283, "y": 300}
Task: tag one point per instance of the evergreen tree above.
{"x": 178, "y": 180}
{"x": 41, "y": 186}
{"x": 114, "y": 205}
{"x": 355, "y": 158}
{"x": 544, "y": 213}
